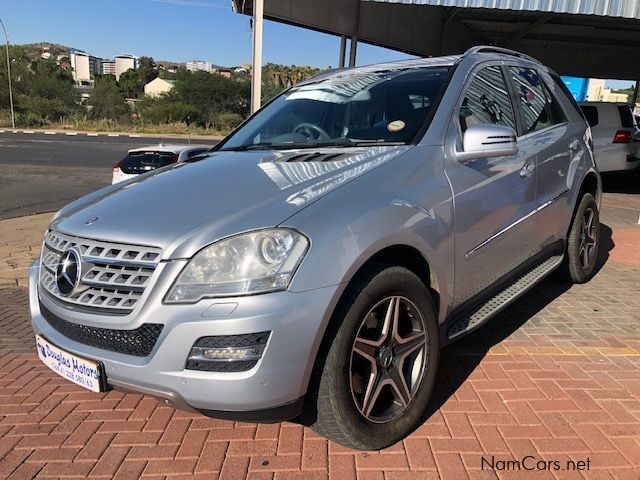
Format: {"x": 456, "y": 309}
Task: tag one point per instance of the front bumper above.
{"x": 273, "y": 387}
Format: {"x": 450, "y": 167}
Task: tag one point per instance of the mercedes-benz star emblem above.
{"x": 91, "y": 220}
{"x": 68, "y": 272}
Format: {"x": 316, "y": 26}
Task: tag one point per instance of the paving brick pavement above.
{"x": 556, "y": 377}
{"x": 20, "y": 242}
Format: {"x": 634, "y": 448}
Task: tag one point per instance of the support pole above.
{"x": 354, "y": 37}
{"x": 6, "y": 37}
{"x": 256, "y": 67}
{"x": 343, "y": 51}
{"x": 634, "y": 99}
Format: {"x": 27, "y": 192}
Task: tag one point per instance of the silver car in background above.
{"x": 146, "y": 159}
{"x": 616, "y": 137}
{"x": 321, "y": 257}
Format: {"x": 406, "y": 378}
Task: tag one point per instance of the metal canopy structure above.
{"x": 588, "y": 38}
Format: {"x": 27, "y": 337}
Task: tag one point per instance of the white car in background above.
{"x": 616, "y": 138}
{"x": 145, "y": 159}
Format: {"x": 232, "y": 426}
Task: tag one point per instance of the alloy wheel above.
{"x": 388, "y": 359}
{"x": 588, "y": 239}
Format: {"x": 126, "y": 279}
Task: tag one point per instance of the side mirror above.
{"x": 487, "y": 140}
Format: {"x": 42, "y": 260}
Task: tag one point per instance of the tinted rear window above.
{"x": 138, "y": 162}
{"x": 626, "y": 117}
{"x": 591, "y": 114}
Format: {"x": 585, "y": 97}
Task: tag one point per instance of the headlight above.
{"x": 255, "y": 262}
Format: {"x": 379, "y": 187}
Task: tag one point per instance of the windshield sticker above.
{"x": 396, "y": 126}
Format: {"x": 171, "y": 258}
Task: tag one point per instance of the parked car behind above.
{"x": 315, "y": 265}
{"x": 145, "y": 159}
{"x": 616, "y": 138}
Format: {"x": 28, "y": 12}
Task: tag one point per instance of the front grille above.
{"x": 138, "y": 342}
{"x": 114, "y": 278}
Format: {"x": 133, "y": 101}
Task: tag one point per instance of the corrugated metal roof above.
{"x": 589, "y": 38}
{"x": 607, "y": 8}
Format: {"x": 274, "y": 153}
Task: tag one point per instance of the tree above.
{"x": 132, "y": 81}
{"x": 147, "y": 70}
{"x": 130, "y": 84}
{"x": 163, "y": 109}
{"x": 278, "y": 77}
{"x": 42, "y": 91}
{"x": 210, "y": 95}
{"x": 284, "y": 76}
{"x": 19, "y": 71}
{"x": 106, "y": 100}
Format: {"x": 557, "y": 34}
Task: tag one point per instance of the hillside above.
{"x": 34, "y": 50}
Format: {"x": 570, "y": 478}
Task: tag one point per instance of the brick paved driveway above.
{"x": 555, "y": 377}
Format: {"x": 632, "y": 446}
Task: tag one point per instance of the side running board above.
{"x": 514, "y": 290}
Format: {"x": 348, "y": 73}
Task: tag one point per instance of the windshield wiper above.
{"x": 251, "y": 146}
{"x": 302, "y": 145}
{"x": 368, "y": 143}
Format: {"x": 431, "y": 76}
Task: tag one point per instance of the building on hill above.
{"x": 599, "y": 93}
{"x": 84, "y": 66}
{"x": 109, "y": 67}
{"x": 158, "y": 86}
{"x": 124, "y": 62}
{"x": 195, "y": 65}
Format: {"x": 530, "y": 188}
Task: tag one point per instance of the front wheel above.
{"x": 583, "y": 242}
{"x": 380, "y": 369}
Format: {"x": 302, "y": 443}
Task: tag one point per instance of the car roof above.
{"x": 482, "y": 53}
{"x": 383, "y": 67}
{"x": 171, "y": 148}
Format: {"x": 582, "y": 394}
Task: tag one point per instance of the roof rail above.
{"x": 505, "y": 51}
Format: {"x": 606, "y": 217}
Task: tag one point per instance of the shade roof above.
{"x": 593, "y": 38}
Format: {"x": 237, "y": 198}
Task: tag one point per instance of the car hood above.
{"x": 187, "y": 206}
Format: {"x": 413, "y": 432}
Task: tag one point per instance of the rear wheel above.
{"x": 380, "y": 368}
{"x": 583, "y": 242}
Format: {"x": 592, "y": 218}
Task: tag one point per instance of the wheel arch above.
{"x": 590, "y": 184}
{"x": 398, "y": 254}
{"x": 408, "y": 257}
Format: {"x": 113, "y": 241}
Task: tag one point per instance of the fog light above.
{"x": 228, "y": 353}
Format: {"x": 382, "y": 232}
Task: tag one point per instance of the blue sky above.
{"x": 176, "y": 30}
{"x": 198, "y": 29}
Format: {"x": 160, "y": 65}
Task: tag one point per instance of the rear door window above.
{"x": 487, "y": 100}
{"x": 538, "y": 107}
{"x": 626, "y": 116}
{"x": 591, "y": 114}
{"x": 140, "y": 162}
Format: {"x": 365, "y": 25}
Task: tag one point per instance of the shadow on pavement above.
{"x": 621, "y": 183}
{"x": 455, "y": 367}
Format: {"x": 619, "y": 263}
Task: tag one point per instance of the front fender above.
{"x": 407, "y": 202}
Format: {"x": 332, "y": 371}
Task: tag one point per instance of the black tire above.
{"x": 337, "y": 415}
{"x": 575, "y": 269}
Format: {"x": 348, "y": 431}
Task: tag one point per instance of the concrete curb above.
{"x": 112, "y": 134}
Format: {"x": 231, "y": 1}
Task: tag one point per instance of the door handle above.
{"x": 527, "y": 169}
{"x": 574, "y": 145}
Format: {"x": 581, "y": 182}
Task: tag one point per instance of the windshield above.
{"x": 387, "y": 107}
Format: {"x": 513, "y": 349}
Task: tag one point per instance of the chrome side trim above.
{"x": 471, "y": 253}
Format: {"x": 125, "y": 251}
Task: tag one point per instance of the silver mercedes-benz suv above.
{"x": 315, "y": 263}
